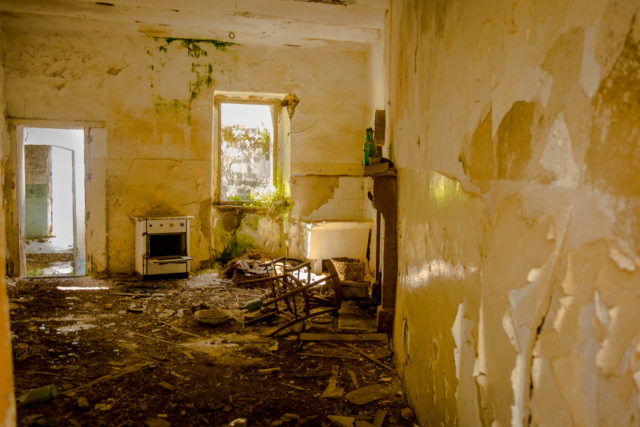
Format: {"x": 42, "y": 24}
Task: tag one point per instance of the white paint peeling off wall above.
{"x": 465, "y": 360}
{"x": 551, "y": 312}
{"x": 590, "y": 70}
{"x": 347, "y": 202}
{"x": 623, "y": 261}
{"x": 558, "y": 156}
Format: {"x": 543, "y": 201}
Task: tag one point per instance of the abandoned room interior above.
{"x": 320, "y": 212}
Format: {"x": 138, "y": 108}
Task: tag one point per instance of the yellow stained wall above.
{"x": 159, "y": 153}
{"x": 514, "y": 128}
{"x": 7, "y": 401}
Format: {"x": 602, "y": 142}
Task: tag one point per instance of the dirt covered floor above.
{"x": 131, "y": 353}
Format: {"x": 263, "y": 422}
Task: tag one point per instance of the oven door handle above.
{"x": 179, "y": 260}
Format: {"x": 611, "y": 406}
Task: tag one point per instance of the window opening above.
{"x": 247, "y": 151}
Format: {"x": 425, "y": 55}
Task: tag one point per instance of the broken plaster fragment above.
{"x": 551, "y": 234}
{"x": 290, "y": 101}
{"x": 333, "y": 391}
{"x": 533, "y": 274}
{"x": 622, "y": 260}
{"x": 557, "y": 157}
{"x": 601, "y": 310}
{"x": 510, "y": 330}
{"x": 371, "y": 393}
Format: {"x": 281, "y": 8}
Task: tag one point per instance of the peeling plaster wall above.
{"x": 159, "y": 155}
{"x": 341, "y": 200}
{"x": 514, "y": 129}
{"x": 7, "y": 401}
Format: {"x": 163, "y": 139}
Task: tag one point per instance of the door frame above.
{"x": 79, "y": 205}
{"x": 95, "y": 179}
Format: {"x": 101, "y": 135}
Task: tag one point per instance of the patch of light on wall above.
{"x": 444, "y": 190}
{"x": 438, "y": 268}
{"x": 81, "y": 288}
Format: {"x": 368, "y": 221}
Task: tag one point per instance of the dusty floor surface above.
{"x": 137, "y": 355}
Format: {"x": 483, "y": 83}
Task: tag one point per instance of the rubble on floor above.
{"x": 130, "y": 352}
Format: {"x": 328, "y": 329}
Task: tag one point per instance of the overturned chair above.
{"x": 295, "y": 297}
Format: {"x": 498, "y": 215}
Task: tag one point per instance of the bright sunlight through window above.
{"x": 247, "y": 151}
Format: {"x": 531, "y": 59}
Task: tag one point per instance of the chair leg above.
{"x": 300, "y": 319}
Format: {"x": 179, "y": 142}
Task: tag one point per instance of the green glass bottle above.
{"x": 369, "y": 147}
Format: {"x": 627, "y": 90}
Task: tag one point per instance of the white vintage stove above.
{"x": 162, "y": 245}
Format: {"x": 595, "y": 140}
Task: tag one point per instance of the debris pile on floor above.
{"x": 125, "y": 353}
{"x": 248, "y": 264}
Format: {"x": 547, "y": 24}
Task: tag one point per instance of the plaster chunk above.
{"x": 533, "y": 274}
{"x": 551, "y": 234}
{"x": 524, "y": 303}
{"x": 518, "y": 381}
{"x": 601, "y": 310}
{"x": 510, "y": 330}
{"x": 614, "y": 353}
{"x": 557, "y": 157}
{"x": 464, "y": 358}
{"x": 622, "y": 260}
{"x": 565, "y": 306}
{"x": 609, "y": 359}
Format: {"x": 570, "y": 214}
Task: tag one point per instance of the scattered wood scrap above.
{"x": 182, "y": 331}
{"x": 381, "y": 414}
{"x": 160, "y": 340}
{"x": 133, "y": 295}
{"x": 108, "y": 377}
{"x": 312, "y": 336}
{"x": 329, "y": 355}
{"x": 354, "y": 380}
{"x": 371, "y": 358}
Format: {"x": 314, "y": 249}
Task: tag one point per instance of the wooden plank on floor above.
{"x": 312, "y": 336}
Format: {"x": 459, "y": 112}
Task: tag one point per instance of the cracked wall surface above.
{"x": 513, "y": 126}
{"x": 154, "y": 98}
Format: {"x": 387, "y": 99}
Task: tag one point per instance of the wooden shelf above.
{"x": 379, "y": 169}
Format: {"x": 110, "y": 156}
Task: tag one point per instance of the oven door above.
{"x": 167, "y": 253}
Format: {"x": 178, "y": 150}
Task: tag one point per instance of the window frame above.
{"x": 254, "y": 99}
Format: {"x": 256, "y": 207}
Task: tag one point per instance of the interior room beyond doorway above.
{"x": 53, "y": 198}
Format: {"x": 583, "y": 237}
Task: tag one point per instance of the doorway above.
{"x": 52, "y": 201}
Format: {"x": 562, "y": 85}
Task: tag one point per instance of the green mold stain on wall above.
{"x": 229, "y": 242}
{"x": 200, "y": 69}
{"x": 238, "y": 245}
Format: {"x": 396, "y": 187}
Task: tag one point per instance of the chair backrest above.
{"x": 335, "y": 281}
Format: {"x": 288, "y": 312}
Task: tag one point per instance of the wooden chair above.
{"x": 293, "y": 298}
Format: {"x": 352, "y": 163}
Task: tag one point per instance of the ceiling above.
{"x": 305, "y": 23}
